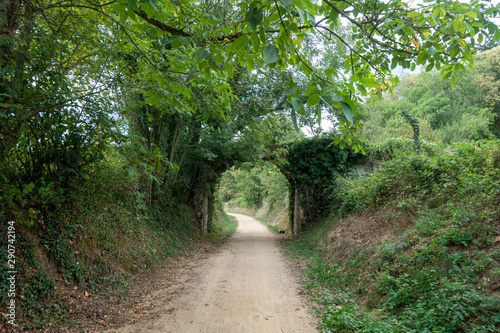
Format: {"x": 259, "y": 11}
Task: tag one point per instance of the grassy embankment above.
{"x": 94, "y": 240}
{"x": 223, "y": 225}
{"x": 412, "y": 248}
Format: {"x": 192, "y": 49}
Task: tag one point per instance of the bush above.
{"x": 430, "y": 275}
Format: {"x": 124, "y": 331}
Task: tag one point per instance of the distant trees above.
{"x": 249, "y": 186}
{"x": 467, "y": 111}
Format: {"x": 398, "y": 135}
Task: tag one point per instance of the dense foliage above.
{"x": 110, "y": 136}
{"x": 430, "y": 264}
{"x": 312, "y": 169}
{"x": 117, "y": 119}
{"x": 464, "y": 112}
{"x": 250, "y": 187}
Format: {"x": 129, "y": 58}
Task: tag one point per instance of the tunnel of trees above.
{"x": 117, "y": 119}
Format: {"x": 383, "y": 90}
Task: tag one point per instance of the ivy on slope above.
{"x": 312, "y": 168}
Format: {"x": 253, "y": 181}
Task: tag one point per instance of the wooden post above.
{"x": 297, "y": 214}
{"x": 204, "y": 220}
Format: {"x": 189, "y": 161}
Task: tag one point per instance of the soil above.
{"x": 243, "y": 285}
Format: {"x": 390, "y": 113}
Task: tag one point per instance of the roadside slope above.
{"x": 414, "y": 247}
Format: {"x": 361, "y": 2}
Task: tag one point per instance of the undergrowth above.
{"x": 223, "y": 225}
{"x": 96, "y": 237}
{"x": 436, "y": 271}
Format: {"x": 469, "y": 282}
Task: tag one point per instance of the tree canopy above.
{"x": 175, "y": 86}
{"x": 467, "y": 111}
{"x": 182, "y": 48}
{"x": 441, "y": 35}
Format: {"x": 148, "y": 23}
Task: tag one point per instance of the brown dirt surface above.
{"x": 369, "y": 229}
{"x": 92, "y": 313}
{"x": 243, "y": 285}
{"x": 246, "y": 286}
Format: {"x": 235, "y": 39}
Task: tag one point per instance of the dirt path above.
{"x": 246, "y": 287}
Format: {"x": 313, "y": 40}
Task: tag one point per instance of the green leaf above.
{"x": 338, "y": 98}
{"x": 310, "y": 90}
{"x": 239, "y": 43}
{"x": 176, "y": 43}
{"x": 206, "y": 73}
{"x": 313, "y": 100}
{"x": 334, "y": 15}
{"x": 183, "y": 40}
{"x": 301, "y": 13}
{"x": 271, "y": 54}
{"x": 289, "y": 91}
{"x": 348, "y": 112}
{"x": 471, "y": 14}
{"x": 152, "y": 3}
{"x": 302, "y": 111}
{"x": 202, "y": 54}
{"x": 453, "y": 81}
{"x": 294, "y": 120}
{"x": 255, "y": 41}
{"x": 497, "y": 35}
{"x": 286, "y": 3}
{"x": 122, "y": 11}
{"x": 394, "y": 63}
{"x": 431, "y": 50}
{"x": 362, "y": 89}
{"x": 296, "y": 104}
{"x": 262, "y": 34}
{"x": 229, "y": 69}
{"x": 132, "y": 3}
{"x": 413, "y": 14}
{"x": 310, "y": 17}
{"x": 369, "y": 82}
{"x": 255, "y": 16}
{"x": 251, "y": 64}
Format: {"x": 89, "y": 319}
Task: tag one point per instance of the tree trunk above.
{"x": 416, "y": 131}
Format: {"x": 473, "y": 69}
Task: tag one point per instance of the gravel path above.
{"x": 245, "y": 287}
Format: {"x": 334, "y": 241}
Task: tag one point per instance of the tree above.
{"x": 436, "y": 34}
{"x": 445, "y": 114}
{"x": 488, "y": 80}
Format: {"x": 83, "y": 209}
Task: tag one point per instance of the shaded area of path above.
{"x": 247, "y": 287}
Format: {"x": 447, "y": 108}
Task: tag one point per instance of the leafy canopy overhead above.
{"x": 440, "y": 35}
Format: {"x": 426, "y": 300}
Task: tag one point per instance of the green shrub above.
{"x": 428, "y": 277}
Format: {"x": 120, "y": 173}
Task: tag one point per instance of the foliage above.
{"x": 487, "y": 78}
{"x": 117, "y": 118}
{"x": 397, "y": 147}
{"x": 249, "y": 187}
{"x": 434, "y": 269}
{"x": 385, "y": 35}
{"x": 312, "y": 167}
{"x": 446, "y": 113}
{"x": 441, "y": 177}
{"x": 223, "y": 225}
{"x": 95, "y": 236}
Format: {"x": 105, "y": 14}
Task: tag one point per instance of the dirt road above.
{"x": 245, "y": 288}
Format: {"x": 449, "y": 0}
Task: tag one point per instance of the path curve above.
{"x": 245, "y": 288}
